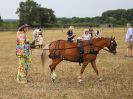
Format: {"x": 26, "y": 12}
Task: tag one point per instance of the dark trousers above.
{"x": 70, "y": 39}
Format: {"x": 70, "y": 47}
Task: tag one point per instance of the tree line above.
{"x": 116, "y": 17}
{"x": 37, "y": 16}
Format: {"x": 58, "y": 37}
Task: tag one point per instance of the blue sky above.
{"x": 68, "y": 8}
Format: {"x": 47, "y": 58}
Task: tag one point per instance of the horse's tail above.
{"x": 43, "y": 54}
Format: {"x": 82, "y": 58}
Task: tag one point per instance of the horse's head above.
{"x": 112, "y": 45}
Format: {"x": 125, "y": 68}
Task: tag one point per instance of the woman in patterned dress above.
{"x": 23, "y": 53}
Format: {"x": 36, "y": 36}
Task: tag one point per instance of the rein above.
{"x": 106, "y": 50}
{"x": 73, "y": 48}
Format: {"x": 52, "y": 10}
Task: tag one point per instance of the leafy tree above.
{"x": 119, "y": 16}
{"x": 45, "y": 16}
{"x": 27, "y": 11}
{"x": 1, "y": 21}
{"x": 32, "y": 13}
{"x": 129, "y": 14}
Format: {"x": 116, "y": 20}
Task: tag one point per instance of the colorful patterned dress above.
{"x": 23, "y": 54}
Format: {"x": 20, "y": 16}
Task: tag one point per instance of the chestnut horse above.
{"x": 63, "y": 50}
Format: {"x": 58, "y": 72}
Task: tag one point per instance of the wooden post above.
{"x": 113, "y": 30}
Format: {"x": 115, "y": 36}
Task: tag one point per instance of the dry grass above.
{"x": 116, "y": 71}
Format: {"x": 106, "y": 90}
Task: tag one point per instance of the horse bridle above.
{"x": 112, "y": 46}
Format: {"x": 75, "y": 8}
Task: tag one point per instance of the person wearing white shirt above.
{"x": 40, "y": 39}
{"x": 129, "y": 41}
{"x": 86, "y": 35}
{"x": 36, "y": 35}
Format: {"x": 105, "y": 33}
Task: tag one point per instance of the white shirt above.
{"x": 128, "y": 34}
{"x": 36, "y": 34}
{"x": 40, "y": 39}
{"x": 86, "y": 36}
{"x": 97, "y": 35}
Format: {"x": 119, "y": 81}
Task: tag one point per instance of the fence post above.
{"x": 102, "y": 29}
{"x": 113, "y": 30}
{"x": 124, "y": 30}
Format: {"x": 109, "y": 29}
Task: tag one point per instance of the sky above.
{"x": 67, "y": 8}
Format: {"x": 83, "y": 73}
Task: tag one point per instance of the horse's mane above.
{"x": 101, "y": 38}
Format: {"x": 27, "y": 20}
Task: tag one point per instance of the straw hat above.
{"x": 71, "y": 27}
{"x": 23, "y": 26}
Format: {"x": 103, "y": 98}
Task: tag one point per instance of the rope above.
{"x": 72, "y": 48}
{"x": 58, "y": 48}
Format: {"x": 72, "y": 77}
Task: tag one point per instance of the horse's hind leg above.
{"x": 82, "y": 70}
{"x": 53, "y": 66}
{"x": 93, "y": 63}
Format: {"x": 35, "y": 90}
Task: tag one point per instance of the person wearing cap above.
{"x": 91, "y": 31}
{"x": 86, "y": 35}
{"x": 23, "y": 53}
{"x": 70, "y": 35}
{"x": 129, "y": 41}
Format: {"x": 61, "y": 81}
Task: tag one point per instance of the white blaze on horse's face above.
{"x": 113, "y": 45}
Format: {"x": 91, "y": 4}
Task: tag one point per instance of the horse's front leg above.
{"x": 82, "y": 70}
{"x": 93, "y": 63}
{"x": 53, "y": 66}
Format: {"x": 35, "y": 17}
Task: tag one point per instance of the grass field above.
{"x": 116, "y": 71}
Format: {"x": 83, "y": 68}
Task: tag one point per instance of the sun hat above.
{"x": 71, "y": 27}
{"x": 23, "y": 26}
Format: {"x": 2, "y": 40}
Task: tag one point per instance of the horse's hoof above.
{"x": 100, "y": 79}
{"x": 80, "y": 81}
{"x": 53, "y": 79}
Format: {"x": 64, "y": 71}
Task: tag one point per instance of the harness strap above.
{"x": 81, "y": 51}
{"x": 92, "y": 51}
{"x": 56, "y": 53}
{"x": 72, "y": 48}
{"x": 90, "y": 42}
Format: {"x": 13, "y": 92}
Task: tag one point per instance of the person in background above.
{"x": 97, "y": 34}
{"x": 129, "y": 41}
{"x": 40, "y": 39}
{"x": 36, "y": 34}
{"x": 40, "y": 30}
{"x": 70, "y": 35}
{"x": 23, "y": 53}
{"x": 86, "y": 35}
{"x": 91, "y": 31}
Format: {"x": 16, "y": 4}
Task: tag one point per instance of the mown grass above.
{"x": 116, "y": 71}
